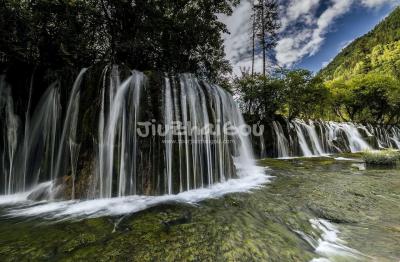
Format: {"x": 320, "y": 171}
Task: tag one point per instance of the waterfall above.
{"x": 43, "y": 138}
{"x": 40, "y": 149}
{"x": 27, "y": 134}
{"x": 121, "y": 125}
{"x": 10, "y": 141}
{"x": 281, "y": 141}
{"x": 302, "y": 139}
{"x": 35, "y": 148}
{"x": 192, "y": 159}
{"x": 318, "y": 138}
{"x": 395, "y": 137}
{"x": 69, "y": 130}
{"x": 159, "y": 135}
{"x": 168, "y": 112}
{"x": 312, "y": 134}
{"x": 355, "y": 141}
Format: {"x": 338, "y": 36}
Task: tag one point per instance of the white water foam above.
{"x": 65, "y": 210}
{"x": 22, "y": 197}
{"x": 330, "y": 246}
{"x": 302, "y": 157}
{"x": 345, "y": 159}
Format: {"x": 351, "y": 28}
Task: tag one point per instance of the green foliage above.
{"x": 306, "y": 95}
{"x": 260, "y": 95}
{"x": 170, "y": 36}
{"x": 362, "y": 84}
{"x": 51, "y": 33}
{"x": 364, "y": 79}
{"x": 293, "y": 93}
{"x": 382, "y": 158}
{"x": 372, "y": 98}
{"x": 378, "y": 51}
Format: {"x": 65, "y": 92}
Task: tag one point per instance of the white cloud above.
{"x": 377, "y": 3}
{"x": 298, "y": 9}
{"x": 307, "y": 41}
{"x": 238, "y": 42}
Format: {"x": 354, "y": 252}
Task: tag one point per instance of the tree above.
{"x": 307, "y": 96}
{"x": 173, "y": 36}
{"x": 371, "y": 98}
{"x": 293, "y": 93}
{"x": 261, "y": 97}
{"x": 265, "y": 27}
{"x": 53, "y": 34}
{"x": 340, "y": 95}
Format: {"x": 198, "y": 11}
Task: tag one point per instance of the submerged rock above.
{"x": 47, "y": 191}
{"x": 186, "y": 218}
{"x": 332, "y": 215}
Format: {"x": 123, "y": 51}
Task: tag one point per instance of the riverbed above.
{"x": 312, "y": 209}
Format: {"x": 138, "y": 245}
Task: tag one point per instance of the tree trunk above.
{"x": 263, "y": 35}
{"x": 254, "y": 39}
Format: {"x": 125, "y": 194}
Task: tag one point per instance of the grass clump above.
{"x": 387, "y": 157}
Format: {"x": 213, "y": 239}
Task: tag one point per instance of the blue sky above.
{"x": 313, "y": 31}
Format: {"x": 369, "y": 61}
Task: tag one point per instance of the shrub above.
{"x": 382, "y": 158}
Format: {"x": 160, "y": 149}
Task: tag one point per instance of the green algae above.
{"x": 261, "y": 226}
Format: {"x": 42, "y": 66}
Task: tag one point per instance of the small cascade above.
{"x": 10, "y": 138}
{"x": 42, "y": 142}
{"x": 69, "y": 129}
{"x": 74, "y": 154}
{"x": 355, "y": 141}
{"x": 318, "y": 138}
{"x": 168, "y": 116}
{"x": 263, "y": 151}
{"x": 395, "y": 136}
{"x": 315, "y": 142}
{"x": 119, "y": 132}
{"x": 281, "y": 141}
{"x": 302, "y": 139}
{"x": 27, "y": 135}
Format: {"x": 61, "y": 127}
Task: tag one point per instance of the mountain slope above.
{"x": 377, "y": 51}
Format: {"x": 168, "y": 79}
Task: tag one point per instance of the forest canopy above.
{"x": 168, "y": 36}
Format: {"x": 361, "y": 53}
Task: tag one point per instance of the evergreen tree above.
{"x": 265, "y": 27}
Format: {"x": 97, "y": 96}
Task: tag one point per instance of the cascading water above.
{"x": 185, "y": 146}
{"x": 189, "y": 159}
{"x": 302, "y": 139}
{"x": 317, "y": 138}
{"x": 39, "y": 148}
{"x": 312, "y": 134}
{"x": 119, "y": 132}
{"x": 42, "y": 142}
{"x": 69, "y": 129}
{"x": 281, "y": 141}
{"x": 10, "y": 138}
